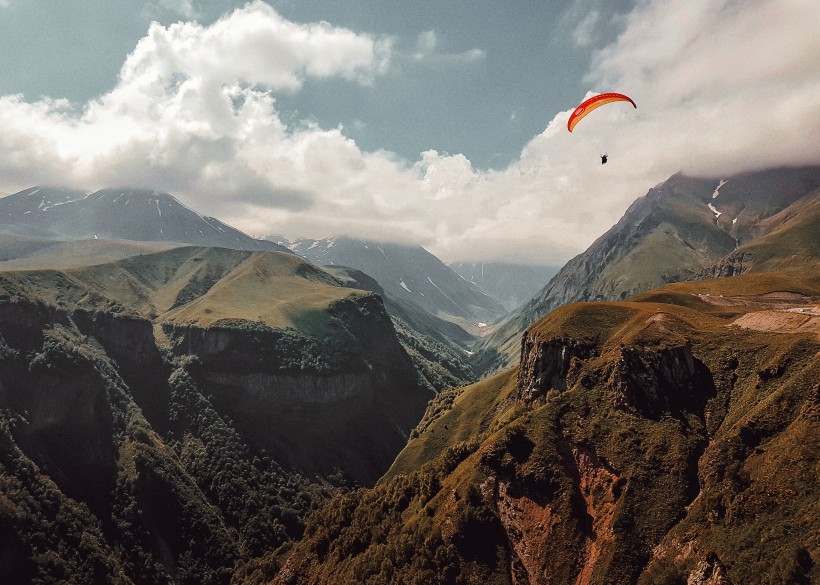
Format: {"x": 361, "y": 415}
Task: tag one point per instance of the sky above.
{"x": 426, "y": 122}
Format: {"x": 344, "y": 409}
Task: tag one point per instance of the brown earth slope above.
{"x": 649, "y": 441}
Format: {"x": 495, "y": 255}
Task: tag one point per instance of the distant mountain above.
{"x": 118, "y": 214}
{"x": 790, "y": 242}
{"x": 436, "y": 347}
{"x": 408, "y": 273}
{"x": 512, "y": 284}
{"x": 678, "y": 229}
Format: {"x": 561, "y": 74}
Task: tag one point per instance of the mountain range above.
{"x": 513, "y": 284}
{"x": 408, "y": 273}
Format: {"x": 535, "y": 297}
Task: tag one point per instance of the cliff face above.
{"x": 550, "y": 364}
{"x": 642, "y": 442}
{"x": 347, "y": 401}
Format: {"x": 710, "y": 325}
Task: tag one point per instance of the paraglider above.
{"x": 593, "y": 103}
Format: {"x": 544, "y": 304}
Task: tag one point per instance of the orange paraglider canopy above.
{"x": 595, "y": 102}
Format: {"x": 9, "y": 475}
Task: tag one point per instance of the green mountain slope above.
{"x": 175, "y": 417}
{"x": 790, "y": 243}
{"x": 681, "y": 228}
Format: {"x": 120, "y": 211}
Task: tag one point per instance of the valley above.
{"x": 182, "y": 403}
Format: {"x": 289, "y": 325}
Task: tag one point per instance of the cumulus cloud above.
{"x": 254, "y": 45}
{"x": 195, "y": 113}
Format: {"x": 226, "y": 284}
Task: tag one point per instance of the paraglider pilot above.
{"x": 603, "y": 159}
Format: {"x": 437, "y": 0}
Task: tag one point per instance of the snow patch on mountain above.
{"x": 717, "y": 189}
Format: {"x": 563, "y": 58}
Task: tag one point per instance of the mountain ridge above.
{"x": 673, "y": 233}
{"x": 202, "y": 414}
{"x": 408, "y": 273}
{"x": 118, "y": 214}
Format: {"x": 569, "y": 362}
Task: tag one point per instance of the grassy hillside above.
{"x": 459, "y": 415}
{"x": 278, "y": 290}
{"x": 24, "y": 253}
{"x": 192, "y": 285}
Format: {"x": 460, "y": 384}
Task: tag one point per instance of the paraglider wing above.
{"x": 593, "y": 103}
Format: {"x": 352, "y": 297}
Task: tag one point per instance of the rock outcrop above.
{"x": 552, "y": 364}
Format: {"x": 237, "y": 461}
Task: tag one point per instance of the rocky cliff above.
{"x": 345, "y": 401}
{"x": 638, "y": 442}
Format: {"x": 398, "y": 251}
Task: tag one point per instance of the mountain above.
{"x": 512, "y": 284}
{"x": 190, "y": 414}
{"x": 436, "y": 347}
{"x": 176, "y": 416}
{"x": 408, "y": 273}
{"x": 677, "y": 230}
{"x": 157, "y": 222}
{"x": 668, "y": 439}
{"x": 790, "y": 243}
{"x": 117, "y": 214}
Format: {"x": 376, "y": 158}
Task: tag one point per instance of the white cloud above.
{"x": 254, "y": 45}
{"x": 184, "y": 8}
{"x": 426, "y": 50}
{"x": 583, "y": 35}
{"x": 194, "y": 113}
{"x": 721, "y": 96}
{"x": 426, "y": 43}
